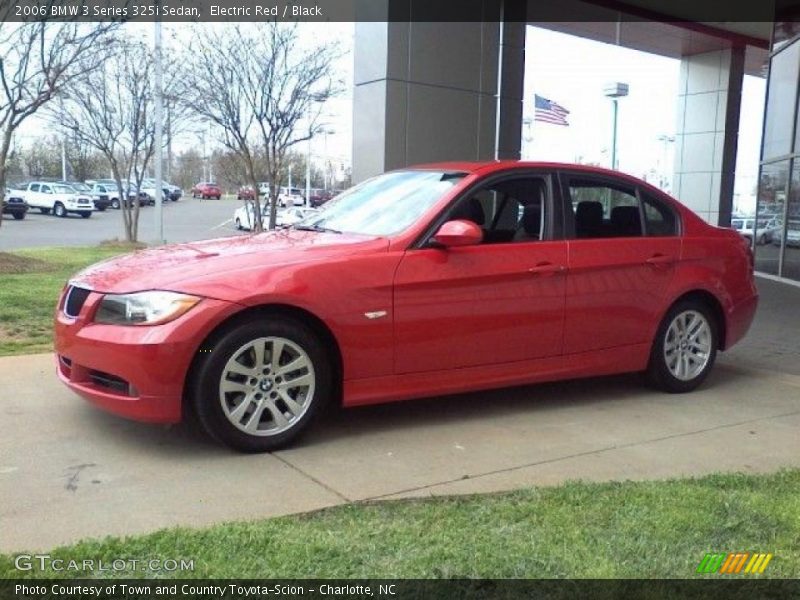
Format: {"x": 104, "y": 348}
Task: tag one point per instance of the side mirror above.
{"x": 458, "y": 233}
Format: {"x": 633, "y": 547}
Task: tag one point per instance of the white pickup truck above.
{"x": 59, "y": 198}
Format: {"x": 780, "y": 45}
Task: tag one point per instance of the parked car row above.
{"x": 82, "y": 198}
{"x": 287, "y": 196}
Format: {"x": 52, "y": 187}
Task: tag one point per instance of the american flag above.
{"x": 549, "y": 111}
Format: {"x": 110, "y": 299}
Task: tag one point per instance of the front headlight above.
{"x": 143, "y": 308}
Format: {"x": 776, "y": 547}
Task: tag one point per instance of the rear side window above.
{"x": 602, "y": 210}
{"x": 660, "y": 219}
{"x": 34, "y": 187}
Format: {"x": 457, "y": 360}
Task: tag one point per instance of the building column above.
{"x": 709, "y": 100}
{"x": 427, "y": 92}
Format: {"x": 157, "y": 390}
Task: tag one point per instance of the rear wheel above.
{"x": 44, "y": 211}
{"x": 685, "y": 347}
{"x": 59, "y": 210}
{"x": 262, "y": 384}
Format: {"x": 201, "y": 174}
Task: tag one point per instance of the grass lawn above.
{"x": 30, "y": 281}
{"x": 583, "y": 530}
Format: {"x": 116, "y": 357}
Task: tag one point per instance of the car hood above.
{"x": 177, "y": 266}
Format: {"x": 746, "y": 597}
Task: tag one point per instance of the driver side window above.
{"x": 507, "y": 211}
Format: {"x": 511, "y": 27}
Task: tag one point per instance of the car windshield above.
{"x": 386, "y": 204}
{"x": 63, "y": 189}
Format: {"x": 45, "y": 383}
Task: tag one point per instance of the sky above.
{"x": 566, "y": 69}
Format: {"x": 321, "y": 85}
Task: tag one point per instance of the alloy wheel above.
{"x": 687, "y": 345}
{"x": 267, "y": 386}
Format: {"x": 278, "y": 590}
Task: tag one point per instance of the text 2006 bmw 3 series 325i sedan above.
{"x": 429, "y": 280}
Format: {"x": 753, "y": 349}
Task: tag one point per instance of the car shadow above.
{"x": 186, "y": 440}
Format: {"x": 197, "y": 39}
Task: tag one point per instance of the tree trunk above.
{"x": 6, "y": 144}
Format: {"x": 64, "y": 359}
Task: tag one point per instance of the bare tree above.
{"x": 37, "y": 59}
{"x": 42, "y": 158}
{"x": 111, "y": 110}
{"x": 263, "y": 90}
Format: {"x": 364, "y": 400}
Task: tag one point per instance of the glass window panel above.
{"x": 770, "y": 205}
{"x": 791, "y": 252}
{"x": 781, "y": 98}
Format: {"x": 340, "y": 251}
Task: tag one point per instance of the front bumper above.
{"x": 134, "y": 372}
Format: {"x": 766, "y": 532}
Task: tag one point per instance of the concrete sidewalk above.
{"x": 69, "y": 471}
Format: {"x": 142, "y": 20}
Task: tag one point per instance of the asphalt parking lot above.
{"x": 186, "y": 220}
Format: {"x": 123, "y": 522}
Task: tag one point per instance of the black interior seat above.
{"x": 530, "y": 223}
{"x": 471, "y": 210}
{"x": 625, "y": 221}
{"x": 589, "y": 219}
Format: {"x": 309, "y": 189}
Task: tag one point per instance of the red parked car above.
{"x": 431, "y": 280}
{"x": 245, "y": 193}
{"x": 206, "y": 190}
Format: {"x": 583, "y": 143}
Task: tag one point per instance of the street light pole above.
{"x": 158, "y": 213}
{"x": 614, "y": 164}
{"x": 615, "y": 91}
{"x": 63, "y": 158}
{"x": 306, "y": 200}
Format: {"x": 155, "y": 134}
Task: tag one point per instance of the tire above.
{"x": 694, "y": 354}
{"x": 85, "y": 214}
{"x": 762, "y": 240}
{"x": 238, "y": 224}
{"x": 19, "y": 215}
{"x": 59, "y": 210}
{"x": 232, "y": 355}
{"x": 217, "y": 197}
{"x": 102, "y": 208}
{"x": 115, "y": 203}
{"x": 44, "y": 211}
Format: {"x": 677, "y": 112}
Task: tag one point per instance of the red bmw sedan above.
{"x": 431, "y": 280}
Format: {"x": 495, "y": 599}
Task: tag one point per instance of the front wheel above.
{"x": 44, "y": 211}
{"x": 238, "y": 224}
{"x": 684, "y": 349}
{"x": 19, "y": 216}
{"x": 262, "y": 383}
{"x": 59, "y": 210}
{"x": 85, "y": 214}
{"x": 115, "y": 203}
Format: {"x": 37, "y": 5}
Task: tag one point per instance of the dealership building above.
{"x": 432, "y": 91}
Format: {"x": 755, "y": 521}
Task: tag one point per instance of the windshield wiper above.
{"x": 317, "y": 228}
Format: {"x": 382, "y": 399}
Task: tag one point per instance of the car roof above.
{"x": 503, "y": 165}
{"x": 498, "y": 166}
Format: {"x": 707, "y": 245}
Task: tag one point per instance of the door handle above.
{"x": 546, "y": 269}
{"x": 660, "y": 260}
